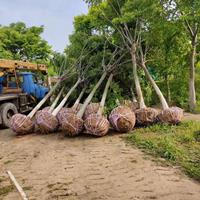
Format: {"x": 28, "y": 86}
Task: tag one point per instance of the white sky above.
{"x": 56, "y": 16}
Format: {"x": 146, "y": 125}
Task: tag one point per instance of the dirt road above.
{"x": 84, "y": 168}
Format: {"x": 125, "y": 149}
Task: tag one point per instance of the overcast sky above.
{"x": 56, "y": 16}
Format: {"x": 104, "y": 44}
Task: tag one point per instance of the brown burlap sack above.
{"x": 146, "y": 116}
{"x": 71, "y": 125}
{"x": 96, "y": 125}
{"x": 172, "y": 115}
{"x": 122, "y": 119}
{"x": 39, "y": 111}
{"x": 46, "y": 122}
{"x": 63, "y": 113}
{"x": 92, "y": 108}
{"x": 21, "y": 124}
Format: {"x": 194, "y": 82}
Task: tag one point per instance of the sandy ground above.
{"x": 54, "y": 167}
{"x": 189, "y": 116}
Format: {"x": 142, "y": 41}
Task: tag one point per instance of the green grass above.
{"x": 179, "y": 145}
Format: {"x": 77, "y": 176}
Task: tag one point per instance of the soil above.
{"x": 54, "y": 167}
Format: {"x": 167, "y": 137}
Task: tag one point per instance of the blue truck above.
{"x": 20, "y": 88}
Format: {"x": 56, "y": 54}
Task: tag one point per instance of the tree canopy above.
{"x": 17, "y": 41}
{"x": 164, "y": 29}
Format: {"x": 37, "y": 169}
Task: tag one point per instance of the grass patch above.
{"x": 8, "y": 161}
{"x": 6, "y": 190}
{"x": 27, "y": 188}
{"x": 179, "y": 145}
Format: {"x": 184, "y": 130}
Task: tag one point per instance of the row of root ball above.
{"x": 122, "y": 119}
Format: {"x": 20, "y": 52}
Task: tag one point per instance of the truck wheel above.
{"x": 7, "y": 110}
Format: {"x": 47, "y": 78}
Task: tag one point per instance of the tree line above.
{"x": 162, "y": 34}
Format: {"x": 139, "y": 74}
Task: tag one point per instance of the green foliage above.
{"x": 164, "y": 37}
{"x": 23, "y": 43}
{"x": 179, "y": 145}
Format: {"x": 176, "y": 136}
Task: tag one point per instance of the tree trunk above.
{"x": 133, "y": 96}
{"x": 156, "y": 88}
{"x": 103, "y": 100}
{"x": 62, "y": 103}
{"x": 192, "y": 92}
{"x": 89, "y": 98}
{"x": 39, "y": 105}
{"x": 79, "y": 98}
{"x": 56, "y": 100}
{"x": 136, "y": 78}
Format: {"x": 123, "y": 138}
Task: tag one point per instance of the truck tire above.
{"x": 7, "y": 110}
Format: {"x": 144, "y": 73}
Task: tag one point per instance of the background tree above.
{"x": 17, "y": 41}
{"x": 187, "y": 14}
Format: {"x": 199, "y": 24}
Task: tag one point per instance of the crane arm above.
{"x": 22, "y": 65}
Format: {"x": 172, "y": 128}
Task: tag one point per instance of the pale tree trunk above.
{"x": 56, "y": 100}
{"x": 133, "y": 96}
{"x": 62, "y": 103}
{"x": 103, "y": 100}
{"x": 89, "y": 98}
{"x": 136, "y": 78}
{"x": 40, "y": 104}
{"x": 192, "y": 92}
{"x": 156, "y": 88}
{"x": 79, "y": 98}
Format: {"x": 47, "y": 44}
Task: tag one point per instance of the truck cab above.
{"x": 20, "y": 89}
{"x": 30, "y": 85}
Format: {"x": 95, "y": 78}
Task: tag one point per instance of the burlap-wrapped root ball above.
{"x": 72, "y": 125}
{"x": 43, "y": 110}
{"x": 46, "y": 122}
{"x": 62, "y": 114}
{"x": 97, "y": 125}
{"x": 122, "y": 119}
{"x": 171, "y": 115}
{"x": 21, "y": 124}
{"x": 92, "y": 108}
{"x": 146, "y": 116}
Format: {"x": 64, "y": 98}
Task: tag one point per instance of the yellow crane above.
{"x": 13, "y": 65}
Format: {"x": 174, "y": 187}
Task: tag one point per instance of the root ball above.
{"x": 96, "y": 125}
{"x": 71, "y": 125}
{"x": 122, "y": 119}
{"x": 21, "y": 124}
{"x": 171, "y": 115}
{"x": 46, "y": 122}
{"x": 39, "y": 111}
{"x": 62, "y": 114}
{"x": 92, "y": 108}
{"x": 146, "y": 116}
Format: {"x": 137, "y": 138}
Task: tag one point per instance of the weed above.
{"x": 179, "y": 145}
{"x": 8, "y": 161}
{"x": 5, "y": 190}
{"x": 27, "y": 188}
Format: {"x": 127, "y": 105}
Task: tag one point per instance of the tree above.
{"x": 25, "y": 43}
{"x": 188, "y": 13}
{"x": 159, "y": 25}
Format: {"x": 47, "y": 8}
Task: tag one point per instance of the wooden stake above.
{"x": 18, "y": 187}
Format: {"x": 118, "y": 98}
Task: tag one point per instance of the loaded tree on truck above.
{"x": 20, "y": 89}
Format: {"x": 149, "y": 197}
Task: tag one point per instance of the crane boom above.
{"x": 13, "y": 65}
